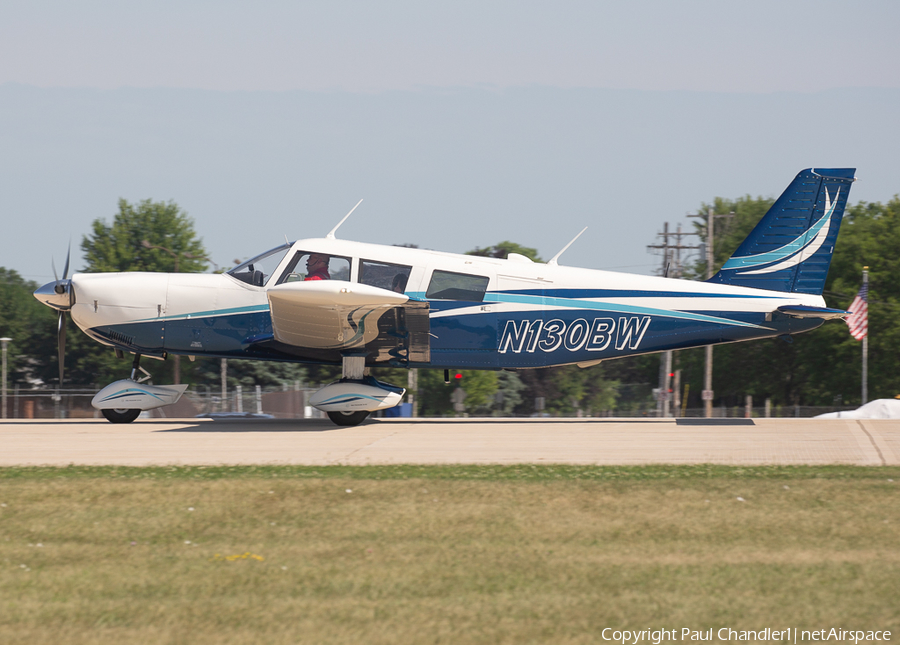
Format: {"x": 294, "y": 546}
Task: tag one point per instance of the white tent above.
{"x": 878, "y": 409}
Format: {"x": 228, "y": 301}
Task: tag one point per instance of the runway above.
{"x": 451, "y": 441}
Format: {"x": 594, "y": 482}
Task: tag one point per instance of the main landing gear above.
{"x": 120, "y": 415}
{"x": 348, "y": 418}
{"x": 349, "y": 401}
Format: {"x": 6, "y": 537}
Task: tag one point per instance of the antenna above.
{"x": 330, "y": 235}
{"x": 553, "y": 260}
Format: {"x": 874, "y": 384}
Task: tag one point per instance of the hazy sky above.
{"x": 707, "y": 45}
{"x": 461, "y": 123}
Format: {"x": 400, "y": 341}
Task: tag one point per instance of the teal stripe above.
{"x": 214, "y": 312}
{"x": 782, "y": 253}
{"x": 340, "y": 398}
{"x": 565, "y": 303}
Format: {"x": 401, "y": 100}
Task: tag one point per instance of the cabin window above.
{"x": 392, "y": 277}
{"x": 258, "y": 270}
{"x": 446, "y": 285}
{"x": 313, "y": 265}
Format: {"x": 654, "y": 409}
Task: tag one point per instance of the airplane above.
{"x": 359, "y": 305}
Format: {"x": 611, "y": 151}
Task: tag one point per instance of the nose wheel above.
{"x": 127, "y": 415}
{"x": 348, "y": 418}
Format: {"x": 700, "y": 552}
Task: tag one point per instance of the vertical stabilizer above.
{"x": 791, "y": 247}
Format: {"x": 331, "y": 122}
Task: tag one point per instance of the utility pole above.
{"x": 412, "y": 389}
{"x": 223, "y": 375}
{"x": 707, "y": 375}
{"x": 4, "y": 341}
{"x": 670, "y": 252}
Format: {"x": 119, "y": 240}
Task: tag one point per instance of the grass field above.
{"x": 441, "y": 554}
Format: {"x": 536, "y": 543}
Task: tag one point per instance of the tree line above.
{"x": 822, "y": 367}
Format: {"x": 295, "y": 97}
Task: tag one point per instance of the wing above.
{"x": 339, "y": 316}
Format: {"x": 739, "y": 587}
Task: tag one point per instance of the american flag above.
{"x": 858, "y": 321}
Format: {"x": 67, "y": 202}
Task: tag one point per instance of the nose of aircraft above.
{"x": 58, "y": 294}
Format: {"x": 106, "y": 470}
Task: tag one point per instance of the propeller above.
{"x": 61, "y": 343}
{"x": 60, "y": 288}
{"x": 59, "y": 295}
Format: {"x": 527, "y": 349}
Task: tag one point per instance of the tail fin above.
{"x": 791, "y": 247}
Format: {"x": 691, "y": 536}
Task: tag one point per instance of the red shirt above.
{"x": 318, "y": 275}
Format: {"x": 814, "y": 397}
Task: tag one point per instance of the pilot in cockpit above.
{"x": 317, "y": 267}
{"x": 398, "y": 284}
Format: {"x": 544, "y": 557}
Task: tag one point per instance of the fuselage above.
{"x": 483, "y": 313}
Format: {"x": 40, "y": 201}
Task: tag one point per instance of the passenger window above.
{"x": 307, "y": 265}
{"x": 445, "y": 285}
{"x": 392, "y": 277}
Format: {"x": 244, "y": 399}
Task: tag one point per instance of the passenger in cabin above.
{"x": 317, "y": 267}
{"x": 399, "y": 283}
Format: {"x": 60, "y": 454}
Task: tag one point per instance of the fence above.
{"x": 75, "y": 403}
{"x": 286, "y": 402}
{"x": 292, "y": 402}
{"x": 732, "y": 412}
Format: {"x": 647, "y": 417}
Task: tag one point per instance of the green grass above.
{"x": 461, "y": 554}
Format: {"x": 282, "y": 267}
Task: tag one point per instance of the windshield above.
{"x": 258, "y": 270}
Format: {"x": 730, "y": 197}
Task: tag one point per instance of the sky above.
{"x": 461, "y": 124}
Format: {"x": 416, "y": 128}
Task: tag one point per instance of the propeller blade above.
{"x": 61, "y": 339}
{"x": 55, "y": 276}
{"x": 66, "y": 268}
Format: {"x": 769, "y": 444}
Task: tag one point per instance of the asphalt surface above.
{"x": 451, "y": 441}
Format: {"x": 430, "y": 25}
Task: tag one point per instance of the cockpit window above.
{"x": 306, "y": 265}
{"x": 258, "y": 270}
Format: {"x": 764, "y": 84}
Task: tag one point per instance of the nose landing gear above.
{"x": 123, "y": 401}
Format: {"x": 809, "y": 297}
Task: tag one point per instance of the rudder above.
{"x": 790, "y": 248}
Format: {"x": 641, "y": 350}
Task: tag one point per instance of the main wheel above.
{"x": 123, "y": 415}
{"x": 348, "y": 418}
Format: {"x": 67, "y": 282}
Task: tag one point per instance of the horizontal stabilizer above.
{"x": 803, "y": 311}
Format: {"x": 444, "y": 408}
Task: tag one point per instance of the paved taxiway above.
{"x": 451, "y": 441}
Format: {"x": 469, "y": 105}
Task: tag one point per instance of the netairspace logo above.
{"x": 789, "y": 635}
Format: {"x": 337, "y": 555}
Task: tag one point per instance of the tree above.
{"x": 249, "y": 373}
{"x": 146, "y": 236}
{"x": 434, "y": 395}
{"x": 509, "y": 394}
{"x": 821, "y": 367}
{"x": 503, "y": 249}
{"x": 26, "y": 322}
{"x": 729, "y": 232}
{"x": 119, "y": 246}
{"x": 568, "y": 389}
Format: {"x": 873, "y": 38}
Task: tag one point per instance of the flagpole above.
{"x": 865, "y": 348}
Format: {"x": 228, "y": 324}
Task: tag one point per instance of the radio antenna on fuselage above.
{"x": 553, "y": 261}
{"x": 330, "y": 235}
